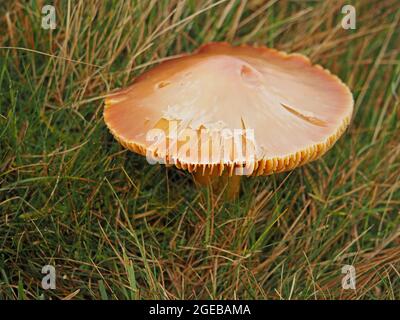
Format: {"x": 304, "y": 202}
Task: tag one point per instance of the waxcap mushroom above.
{"x": 236, "y": 110}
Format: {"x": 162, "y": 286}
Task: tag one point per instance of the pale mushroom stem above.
{"x": 230, "y": 184}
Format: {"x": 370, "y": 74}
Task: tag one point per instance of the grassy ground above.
{"x": 118, "y": 228}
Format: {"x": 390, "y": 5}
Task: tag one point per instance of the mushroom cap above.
{"x": 248, "y": 110}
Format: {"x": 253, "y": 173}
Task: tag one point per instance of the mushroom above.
{"x": 226, "y": 111}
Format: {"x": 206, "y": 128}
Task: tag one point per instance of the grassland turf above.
{"x": 118, "y": 228}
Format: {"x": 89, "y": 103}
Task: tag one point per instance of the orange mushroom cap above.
{"x": 248, "y": 110}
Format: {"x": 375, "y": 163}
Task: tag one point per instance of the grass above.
{"x": 117, "y": 228}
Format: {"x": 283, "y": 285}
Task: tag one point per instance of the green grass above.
{"x": 116, "y": 227}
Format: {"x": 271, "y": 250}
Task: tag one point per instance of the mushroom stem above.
{"x": 202, "y": 180}
{"x": 231, "y": 184}
{"x": 233, "y": 187}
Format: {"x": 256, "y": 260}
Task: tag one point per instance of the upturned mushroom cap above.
{"x": 285, "y": 111}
